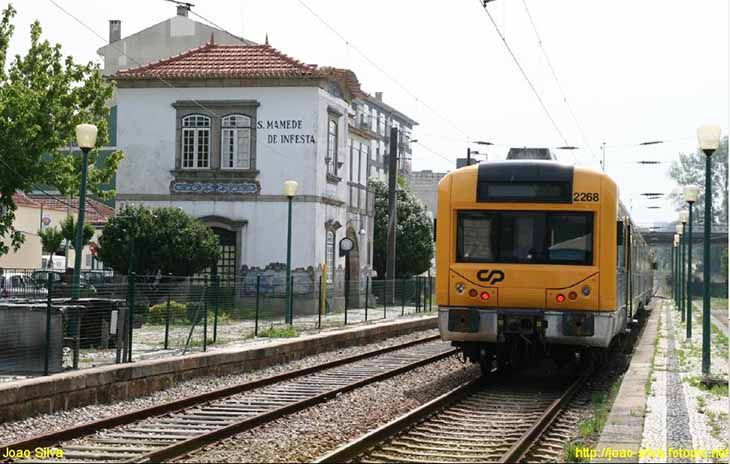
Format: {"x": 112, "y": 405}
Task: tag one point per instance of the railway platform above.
{"x": 663, "y": 412}
{"x": 108, "y": 384}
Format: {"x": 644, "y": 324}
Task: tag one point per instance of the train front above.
{"x": 526, "y": 260}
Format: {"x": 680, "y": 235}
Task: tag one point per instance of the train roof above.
{"x": 527, "y": 170}
{"x": 524, "y": 170}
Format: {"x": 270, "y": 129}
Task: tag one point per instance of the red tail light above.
{"x": 485, "y": 296}
{"x": 560, "y": 298}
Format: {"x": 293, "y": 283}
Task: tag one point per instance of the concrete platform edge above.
{"x": 43, "y": 395}
{"x": 624, "y": 426}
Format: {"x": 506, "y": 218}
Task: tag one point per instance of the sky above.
{"x": 627, "y": 71}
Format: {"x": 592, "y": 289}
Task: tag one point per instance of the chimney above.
{"x": 182, "y": 10}
{"x": 379, "y": 96}
{"x": 115, "y": 30}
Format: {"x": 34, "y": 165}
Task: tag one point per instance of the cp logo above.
{"x": 490, "y": 277}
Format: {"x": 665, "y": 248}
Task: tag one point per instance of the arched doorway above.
{"x": 226, "y": 265}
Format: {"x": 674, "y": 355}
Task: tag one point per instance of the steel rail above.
{"x": 172, "y": 407}
{"x": 199, "y": 441}
{"x": 517, "y": 451}
{"x": 358, "y": 446}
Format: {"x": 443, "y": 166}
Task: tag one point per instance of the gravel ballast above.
{"x": 306, "y": 435}
{"x": 26, "y": 428}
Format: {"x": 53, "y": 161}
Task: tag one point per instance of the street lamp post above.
{"x": 86, "y": 139}
{"x": 290, "y": 189}
{"x": 679, "y": 267}
{"x": 709, "y": 141}
{"x": 691, "y": 192}
{"x": 675, "y": 274}
{"x": 682, "y": 273}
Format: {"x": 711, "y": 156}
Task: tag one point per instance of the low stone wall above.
{"x": 118, "y": 382}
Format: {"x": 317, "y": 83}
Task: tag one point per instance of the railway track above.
{"x": 471, "y": 423}
{"x": 174, "y": 429}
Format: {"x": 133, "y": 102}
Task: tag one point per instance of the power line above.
{"x": 164, "y": 81}
{"x": 381, "y": 70}
{"x": 483, "y": 4}
{"x": 450, "y": 161}
{"x": 323, "y": 21}
{"x": 557, "y": 82}
{"x": 68, "y": 205}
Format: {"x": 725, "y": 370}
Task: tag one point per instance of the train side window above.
{"x": 620, "y": 244}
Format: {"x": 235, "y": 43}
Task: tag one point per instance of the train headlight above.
{"x": 586, "y": 290}
{"x": 560, "y": 298}
{"x": 460, "y": 287}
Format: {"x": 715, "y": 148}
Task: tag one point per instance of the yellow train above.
{"x": 536, "y": 259}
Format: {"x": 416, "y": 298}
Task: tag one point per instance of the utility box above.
{"x": 23, "y": 339}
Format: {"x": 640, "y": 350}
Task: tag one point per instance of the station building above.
{"x": 216, "y": 130}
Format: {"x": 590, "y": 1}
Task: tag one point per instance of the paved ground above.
{"x": 662, "y": 412}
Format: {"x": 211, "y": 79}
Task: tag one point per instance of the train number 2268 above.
{"x": 585, "y": 196}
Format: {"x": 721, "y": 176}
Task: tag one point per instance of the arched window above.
{"x": 236, "y": 142}
{"x": 330, "y": 256}
{"x": 196, "y": 142}
{"x": 332, "y": 147}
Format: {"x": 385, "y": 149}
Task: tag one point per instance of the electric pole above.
{"x": 392, "y": 208}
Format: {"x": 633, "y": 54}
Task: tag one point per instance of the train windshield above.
{"x": 529, "y": 237}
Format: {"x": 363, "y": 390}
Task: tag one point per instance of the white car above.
{"x": 16, "y": 285}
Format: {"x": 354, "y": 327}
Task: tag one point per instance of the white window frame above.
{"x": 330, "y": 255}
{"x": 231, "y": 130}
{"x": 196, "y": 131}
{"x": 332, "y": 141}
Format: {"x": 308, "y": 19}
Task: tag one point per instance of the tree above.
{"x": 51, "y": 239}
{"x": 414, "y": 233}
{"x": 43, "y": 96}
{"x": 690, "y": 169}
{"x": 68, "y": 231}
{"x": 166, "y": 240}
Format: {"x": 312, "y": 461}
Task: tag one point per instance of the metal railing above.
{"x": 122, "y": 319}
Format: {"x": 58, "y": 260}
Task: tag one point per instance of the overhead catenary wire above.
{"x": 48, "y": 194}
{"x": 163, "y": 80}
{"x": 483, "y": 4}
{"x": 403, "y": 87}
{"x": 349, "y": 44}
{"x": 557, "y": 82}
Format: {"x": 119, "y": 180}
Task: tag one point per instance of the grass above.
{"x": 721, "y": 391}
{"x": 570, "y": 451}
{"x": 715, "y": 421}
{"x": 590, "y": 428}
{"x": 701, "y": 404}
{"x": 279, "y": 332}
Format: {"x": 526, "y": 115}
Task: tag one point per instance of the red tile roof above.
{"x": 216, "y": 61}
{"x": 224, "y": 61}
{"x": 21, "y": 199}
{"x": 95, "y": 211}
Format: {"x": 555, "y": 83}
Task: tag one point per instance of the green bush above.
{"x": 158, "y": 313}
{"x": 279, "y": 332}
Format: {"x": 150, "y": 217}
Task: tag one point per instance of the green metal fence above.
{"x": 121, "y": 319}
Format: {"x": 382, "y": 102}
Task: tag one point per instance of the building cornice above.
{"x": 227, "y": 197}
